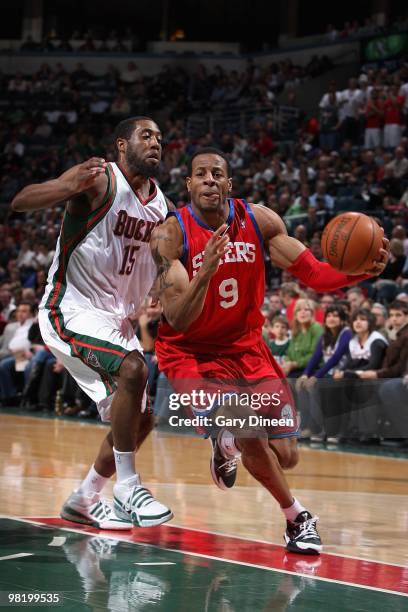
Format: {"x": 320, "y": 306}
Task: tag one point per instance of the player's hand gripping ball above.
{"x": 354, "y": 244}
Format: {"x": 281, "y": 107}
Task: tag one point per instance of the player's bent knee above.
{"x": 291, "y": 459}
{"x": 133, "y": 370}
{"x": 286, "y": 451}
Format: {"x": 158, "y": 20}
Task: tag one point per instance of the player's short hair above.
{"x": 125, "y": 129}
{"x": 208, "y": 151}
{"x": 399, "y": 305}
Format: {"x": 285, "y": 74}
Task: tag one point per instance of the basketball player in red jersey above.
{"x": 210, "y": 280}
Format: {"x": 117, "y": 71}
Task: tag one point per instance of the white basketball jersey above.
{"x": 103, "y": 261}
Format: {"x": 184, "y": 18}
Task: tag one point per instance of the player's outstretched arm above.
{"x": 86, "y": 177}
{"x": 182, "y": 299}
{"x": 291, "y": 255}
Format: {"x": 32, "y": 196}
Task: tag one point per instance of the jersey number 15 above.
{"x": 128, "y": 259}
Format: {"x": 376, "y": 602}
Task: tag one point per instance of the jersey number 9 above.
{"x": 228, "y": 289}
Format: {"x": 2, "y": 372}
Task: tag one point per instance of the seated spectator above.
{"x": 399, "y": 164}
{"x": 366, "y": 349}
{"x": 279, "y": 343}
{"x": 14, "y": 147}
{"x": 322, "y": 195}
{"x": 396, "y": 357}
{"x": 329, "y": 353}
{"x": 400, "y": 232}
{"x": 148, "y": 323}
{"x": 353, "y": 402}
{"x": 33, "y": 372}
{"x": 8, "y": 333}
{"x": 394, "y": 415}
{"x": 326, "y": 300}
{"x": 130, "y": 74}
{"x": 392, "y": 392}
{"x": 19, "y": 347}
{"x": 381, "y": 315}
{"x": 305, "y": 335}
{"x": 386, "y": 287}
{"x": 120, "y": 106}
{"x": 25, "y": 259}
{"x": 275, "y": 305}
{"x": 97, "y": 106}
{"x": 18, "y": 84}
{"x": 289, "y": 294}
{"x": 355, "y": 298}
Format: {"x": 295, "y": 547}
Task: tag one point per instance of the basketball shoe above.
{"x": 302, "y": 536}
{"x": 223, "y": 470}
{"x": 135, "y": 503}
{"x": 92, "y": 510}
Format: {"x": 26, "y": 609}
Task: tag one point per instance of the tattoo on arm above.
{"x": 163, "y": 265}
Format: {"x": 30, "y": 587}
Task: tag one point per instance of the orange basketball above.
{"x": 351, "y": 241}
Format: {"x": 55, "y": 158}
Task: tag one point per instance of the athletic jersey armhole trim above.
{"x": 255, "y": 224}
{"x": 110, "y": 191}
{"x": 175, "y": 213}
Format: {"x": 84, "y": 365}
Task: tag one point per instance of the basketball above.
{"x": 351, "y": 241}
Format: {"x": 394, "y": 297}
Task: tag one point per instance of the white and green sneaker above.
{"x": 93, "y": 510}
{"x": 136, "y": 503}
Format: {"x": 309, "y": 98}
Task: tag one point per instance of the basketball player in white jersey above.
{"x": 101, "y": 273}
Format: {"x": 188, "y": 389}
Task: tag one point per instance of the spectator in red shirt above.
{"x": 374, "y": 113}
{"x": 393, "y": 106}
{"x": 264, "y": 144}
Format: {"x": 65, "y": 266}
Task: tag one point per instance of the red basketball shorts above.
{"x": 202, "y": 382}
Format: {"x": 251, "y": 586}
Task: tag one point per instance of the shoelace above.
{"x": 229, "y": 466}
{"x": 308, "y": 528}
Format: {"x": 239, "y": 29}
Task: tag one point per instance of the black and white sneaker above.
{"x": 223, "y": 471}
{"x": 301, "y": 536}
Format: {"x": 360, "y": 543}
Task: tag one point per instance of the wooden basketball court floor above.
{"x": 222, "y": 552}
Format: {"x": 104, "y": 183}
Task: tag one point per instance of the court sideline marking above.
{"x": 121, "y": 538}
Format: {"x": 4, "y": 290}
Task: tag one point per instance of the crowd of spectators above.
{"x": 363, "y": 29}
{"x": 101, "y": 40}
{"x": 304, "y": 178}
{"x": 93, "y": 40}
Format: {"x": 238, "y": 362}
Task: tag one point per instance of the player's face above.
{"x": 209, "y": 183}
{"x": 142, "y": 152}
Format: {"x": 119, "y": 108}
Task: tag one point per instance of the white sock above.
{"x": 226, "y": 442}
{"x": 293, "y": 510}
{"x": 125, "y": 465}
{"x": 93, "y": 482}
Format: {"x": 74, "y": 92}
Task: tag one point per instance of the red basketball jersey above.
{"x": 231, "y": 319}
